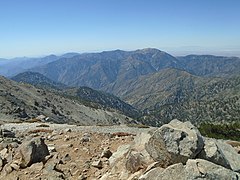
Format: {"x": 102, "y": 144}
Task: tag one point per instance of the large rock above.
{"x": 7, "y": 133}
{"x": 175, "y": 142}
{"x": 194, "y": 169}
{"x": 32, "y": 151}
{"x": 221, "y": 153}
{"x": 129, "y": 160}
{"x": 203, "y": 169}
{"x": 135, "y": 161}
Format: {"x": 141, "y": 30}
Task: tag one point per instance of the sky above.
{"x": 42, "y": 27}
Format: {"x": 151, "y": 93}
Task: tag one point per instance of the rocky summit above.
{"x": 176, "y": 150}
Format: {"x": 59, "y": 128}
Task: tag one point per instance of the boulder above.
{"x": 194, "y": 169}
{"x": 7, "y": 133}
{"x": 151, "y": 174}
{"x": 203, "y": 169}
{"x": 135, "y": 162}
{"x": 119, "y": 154}
{"x": 175, "y": 142}
{"x": 221, "y": 153}
{"x": 32, "y": 152}
{"x": 130, "y": 159}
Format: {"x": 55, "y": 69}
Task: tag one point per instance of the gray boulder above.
{"x": 221, "y": 153}
{"x": 175, "y": 142}
{"x": 7, "y": 133}
{"x": 194, "y": 169}
{"x": 202, "y": 169}
{"x": 32, "y": 152}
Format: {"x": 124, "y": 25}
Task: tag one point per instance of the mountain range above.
{"x": 12, "y": 67}
{"x": 162, "y": 87}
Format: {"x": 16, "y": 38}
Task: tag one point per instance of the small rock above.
{"x": 85, "y": 138}
{"x": 82, "y": 177}
{"x": 106, "y": 153}
{"x": 14, "y": 145}
{"x": 67, "y": 157}
{"x": 51, "y": 149}
{"x": 8, "y": 169}
{"x": 98, "y": 164}
{"x": 70, "y": 145}
{"x": 66, "y": 138}
{"x": 15, "y": 166}
{"x": 98, "y": 174}
{"x": 41, "y": 118}
{"x": 67, "y": 130}
{"x": 36, "y": 167}
{"x": 4, "y": 153}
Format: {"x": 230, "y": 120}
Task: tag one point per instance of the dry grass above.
{"x": 34, "y": 120}
{"x": 122, "y": 134}
{"x": 40, "y": 130}
{"x": 42, "y": 125}
{"x": 138, "y": 125}
{"x": 233, "y": 143}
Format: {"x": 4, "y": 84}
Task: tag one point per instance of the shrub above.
{"x": 221, "y": 131}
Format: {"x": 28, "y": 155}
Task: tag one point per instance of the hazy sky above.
{"x": 41, "y": 27}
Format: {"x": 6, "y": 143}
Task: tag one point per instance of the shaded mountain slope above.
{"x": 21, "y": 101}
{"x": 102, "y": 100}
{"x": 38, "y": 80}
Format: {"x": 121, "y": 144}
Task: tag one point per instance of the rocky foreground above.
{"x": 58, "y": 151}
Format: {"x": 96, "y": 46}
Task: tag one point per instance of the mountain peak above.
{"x": 149, "y": 50}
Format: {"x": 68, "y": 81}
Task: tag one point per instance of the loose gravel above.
{"x": 74, "y": 128}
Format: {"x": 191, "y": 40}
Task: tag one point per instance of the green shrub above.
{"x": 221, "y": 131}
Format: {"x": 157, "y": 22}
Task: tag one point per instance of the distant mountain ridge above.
{"x": 12, "y": 67}
{"x": 97, "y": 70}
{"x": 208, "y": 65}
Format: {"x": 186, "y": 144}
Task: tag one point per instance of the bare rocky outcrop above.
{"x": 194, "y": 169}
{"x": 220, "y": 153}
{"x": 175, "y": 142}
{"x": 122, "y": 154}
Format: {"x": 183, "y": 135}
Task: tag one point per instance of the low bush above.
{"x": 221, "y": 131}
